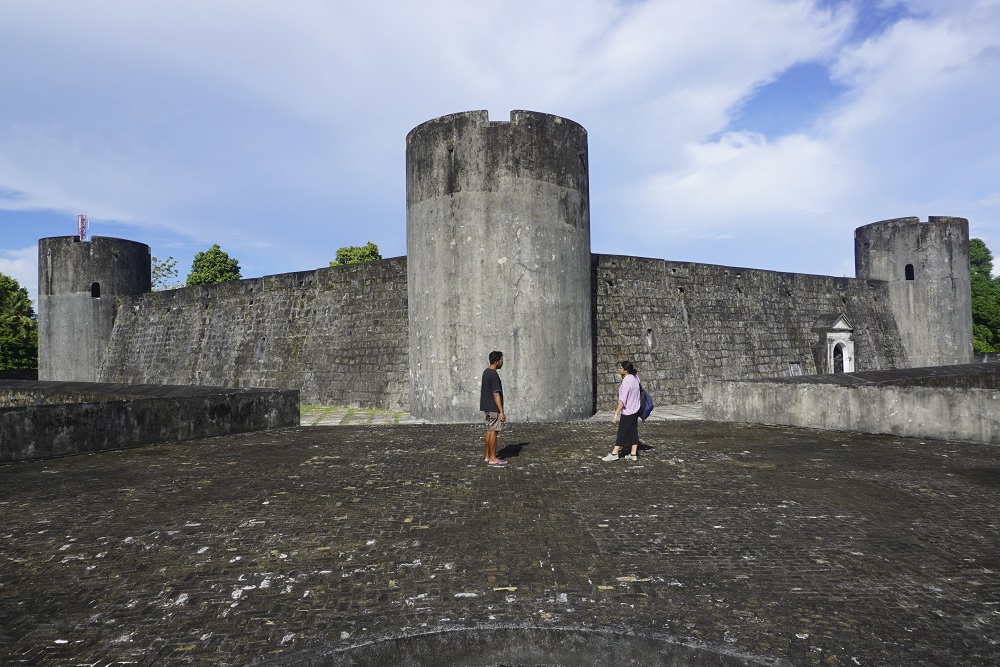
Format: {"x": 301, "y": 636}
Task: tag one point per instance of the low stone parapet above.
{"x": 46, "y": 419}
{"x": 959, "y": 402}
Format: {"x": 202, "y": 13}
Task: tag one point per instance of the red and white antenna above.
{"x": 82, "y": 225}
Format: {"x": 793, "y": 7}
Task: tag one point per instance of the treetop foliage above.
{"x": 353, "y": 254}
{"x": 985, "y": 299}
{"x": 18, "y": 327}
{"x": 213, "y": 266}
{"x": 164, "y": 273}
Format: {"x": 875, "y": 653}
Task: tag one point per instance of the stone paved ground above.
{"x": 336, "y": 415}
{"x": 827, "y": 549}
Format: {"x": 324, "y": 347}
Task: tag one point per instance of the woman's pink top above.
{"x": 628, "y": 394}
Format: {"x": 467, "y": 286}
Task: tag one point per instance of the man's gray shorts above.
{"x": 493, "y": 422}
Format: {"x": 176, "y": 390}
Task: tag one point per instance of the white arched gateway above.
{"x": 836, "y": 344}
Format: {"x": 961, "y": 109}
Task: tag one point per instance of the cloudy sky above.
{"x": 755, "y": 133}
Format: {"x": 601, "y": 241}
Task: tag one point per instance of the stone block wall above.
{"x": 683, "y": 324}
{"x": 498, "y": 246}
{"x": 340, "y": 335}
{"x": 45, "y": 419}
{"x": 944, "y": 402}
{"x": 337, "y": 334}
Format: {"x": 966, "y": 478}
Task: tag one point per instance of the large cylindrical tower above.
{"x": 927, "y": 267}
{"x": 498, "y": 258}
{"x": 77, "y": 285}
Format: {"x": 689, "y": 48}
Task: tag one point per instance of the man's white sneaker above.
{"x": 609, "y": 457}
{"x": 632, "y": 457}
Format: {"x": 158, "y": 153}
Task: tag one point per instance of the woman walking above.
{"x": 628, "y": 409}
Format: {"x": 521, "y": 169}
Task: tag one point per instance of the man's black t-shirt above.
{"x": 491, "y": 384}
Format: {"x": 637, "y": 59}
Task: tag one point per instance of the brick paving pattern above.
{"x": 337, "y": 415}
{"x": 822, "y": 548}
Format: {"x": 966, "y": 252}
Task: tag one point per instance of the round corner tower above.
{"x": 77, "y": 285}
{"x": 498, "y": 258}
{"x": 926, "y": 266}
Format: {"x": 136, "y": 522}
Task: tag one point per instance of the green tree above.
{"x": 985, "y": 299}
{"x": 353, "y": 254}
{"x": 164, "y": 273}
{"x": 18, "y": 327}
{"x": 213, "y": 266}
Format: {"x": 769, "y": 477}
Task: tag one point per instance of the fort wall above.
{"x": 45, "y": 419}
{"x": 682, "y": 324}
{"x": 337, "y": 334}
{"x": 78, "y": 282}
{"x": 957, "y": 402}
{"x": 498, "y": 245}
{"x": 340, "y": 334}
{"x": 926, "y": 265}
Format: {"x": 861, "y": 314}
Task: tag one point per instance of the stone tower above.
{"x": 498, "y": 258}
{"x": 927, "y": 267}
{"x": 77, "y": 285}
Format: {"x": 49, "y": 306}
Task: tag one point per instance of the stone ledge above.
{"x": 46, "y": 419}
{"x": 960, "y": 402}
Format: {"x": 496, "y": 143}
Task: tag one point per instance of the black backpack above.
{"x": 645, "y": 403}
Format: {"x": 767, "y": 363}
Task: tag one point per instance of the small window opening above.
{"x": 95, "y": 290}
{"x": 909, "y": 272}
{"x": 838, "y": 359}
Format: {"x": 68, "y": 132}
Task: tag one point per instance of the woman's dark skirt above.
{"x": 628, "y": 430}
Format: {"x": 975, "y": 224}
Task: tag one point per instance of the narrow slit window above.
{"x": 95, "y": 290}
{"x": 909, "y": 272}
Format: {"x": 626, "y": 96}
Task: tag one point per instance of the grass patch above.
{"x": 313, "y": 415}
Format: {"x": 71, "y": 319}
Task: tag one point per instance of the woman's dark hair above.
{"x": 627, "y": 365}
{"x": 495, "y": 356}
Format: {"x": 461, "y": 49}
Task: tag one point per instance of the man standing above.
{"x": 491, "y": 402}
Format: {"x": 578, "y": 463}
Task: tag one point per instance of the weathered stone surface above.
{"x": 683, "y": 324}
{"x": 498, "y": 252}
{"x": 946, "y": 402}
{"x": 78, "y": 282}
{"x": 816, "y": 547}
{"x": 338, "y": 335}
{"x": 341, "y": 334}
{"x": 45, "y": 419}
{"x": 926, "y": 268}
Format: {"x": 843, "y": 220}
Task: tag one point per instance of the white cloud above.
{"x": 277, "y": 129}
{"x": 916, "y": 132}
{"x": 22, "y": 266}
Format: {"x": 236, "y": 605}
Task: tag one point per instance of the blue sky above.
{"x": 754, "y": 133}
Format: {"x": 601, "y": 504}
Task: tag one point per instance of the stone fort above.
{"x": 498, "y": 257}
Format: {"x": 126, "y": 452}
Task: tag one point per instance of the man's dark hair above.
{"x": 627, "y": 365}
{"x": 495, "y": 356}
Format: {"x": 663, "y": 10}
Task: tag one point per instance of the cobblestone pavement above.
{"x": 826, "y": 549}
{"x": 336, "y": 415}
